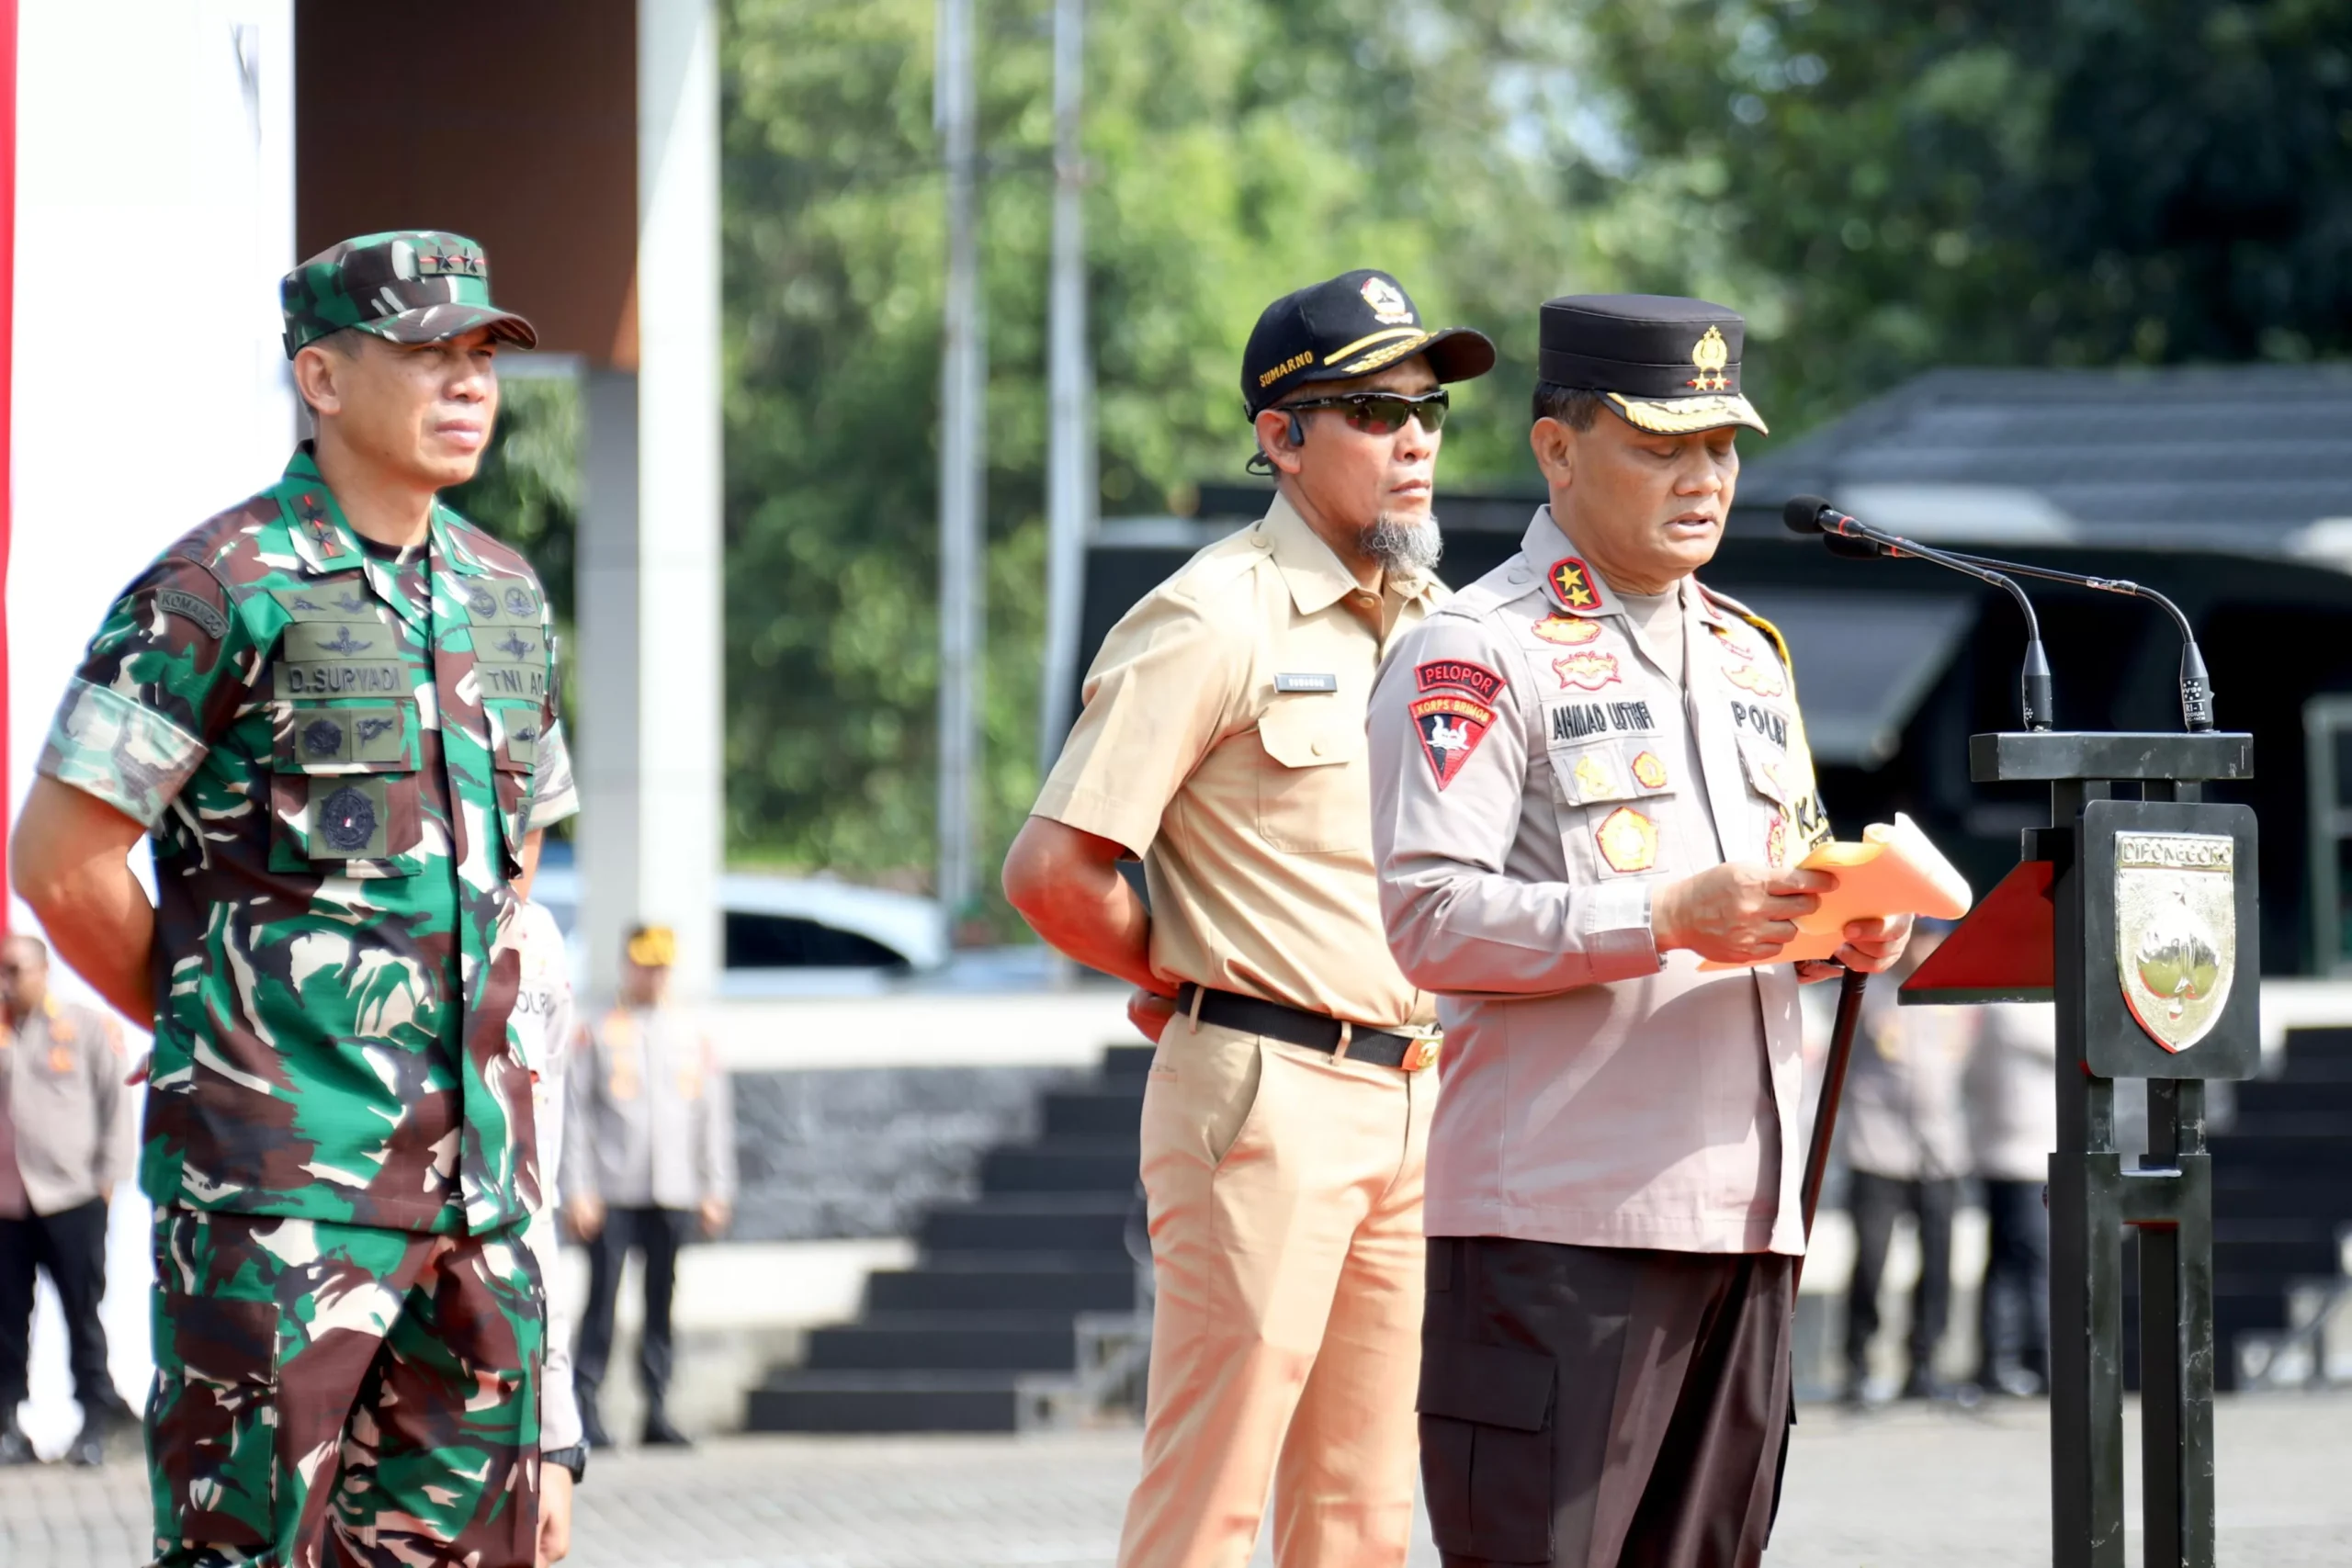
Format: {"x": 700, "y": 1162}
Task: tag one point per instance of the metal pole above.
{"x": 962, "y": 391}
{"x": 1850, "y": 986}
{"x": 1070, "y": 463}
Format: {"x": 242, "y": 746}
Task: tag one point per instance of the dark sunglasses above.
{"x": 1382, "y": 414}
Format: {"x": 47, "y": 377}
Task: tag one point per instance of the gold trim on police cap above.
{"x": 1686, "y": 416}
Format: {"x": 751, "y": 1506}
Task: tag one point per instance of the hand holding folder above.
{"x": 1893, "y": 871}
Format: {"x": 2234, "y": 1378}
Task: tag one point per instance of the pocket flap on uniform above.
{"x": 1772, "y": 774}
{"x": 1310, "y": 732}
{"x": 1495, "y": 1385}
{"x": 346, "y": 738}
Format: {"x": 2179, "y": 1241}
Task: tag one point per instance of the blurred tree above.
{"x": 1901, "y": 184}
{"x": 1240, "y": 148}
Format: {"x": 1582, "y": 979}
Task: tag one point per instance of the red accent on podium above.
{"x": 2004, "y": 951}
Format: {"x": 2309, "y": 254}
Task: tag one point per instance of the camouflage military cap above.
{"x": 407, "y": 285}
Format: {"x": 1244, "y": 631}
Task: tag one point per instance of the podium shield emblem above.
{"x": 2176, "y": 931}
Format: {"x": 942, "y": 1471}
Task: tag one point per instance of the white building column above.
{"x": 651, "y": 605}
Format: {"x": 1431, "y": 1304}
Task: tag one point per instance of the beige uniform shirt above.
{"x": 1222, "y": 742}
{"x": 1536, "y": 774}
{"x": 68, "y": 1117}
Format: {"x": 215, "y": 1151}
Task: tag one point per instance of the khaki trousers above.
{"x": 1286, "y": 1199}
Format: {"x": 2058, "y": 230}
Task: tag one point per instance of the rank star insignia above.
{"x": 1451, "y": 725}
{"x": 1567, "y": 631}
{"x": 1585, "y": 672}
{"x": 1627, "y": 839}
{"x": 1572, "y": 580}
{"x": 1759, "y": 679}
{"x": 1648, "y": 772}
{"x": 1710, "y": 354}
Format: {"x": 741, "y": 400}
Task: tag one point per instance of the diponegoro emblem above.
{"x": 2176, "y": 931}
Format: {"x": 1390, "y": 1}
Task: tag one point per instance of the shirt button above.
{"x": 1315, "y": 749}
{"x": 1260, "y": 541}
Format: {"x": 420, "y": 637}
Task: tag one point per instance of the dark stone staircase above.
{"x": 2282, "y": 1194}
{"x": 1022, "y": 1302}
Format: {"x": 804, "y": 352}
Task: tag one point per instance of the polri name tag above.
{"x": 1307, "y": 682}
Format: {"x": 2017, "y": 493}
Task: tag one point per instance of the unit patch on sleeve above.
{"x": 1457, "y": 675}
{"x": 1569, "y": 631}
{"x": 1572, "y": 580}
{"x": 1585, "y": 672}
{"x": 1451, "y": 725}
{"x": 1628, "y": 841}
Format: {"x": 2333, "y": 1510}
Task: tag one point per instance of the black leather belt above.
{"x": 1248, "y": 1015}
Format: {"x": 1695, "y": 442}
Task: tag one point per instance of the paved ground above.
{"x": 1902, "y": 1489}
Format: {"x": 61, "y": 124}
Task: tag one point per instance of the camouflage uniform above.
{"x": 337, "y": 753}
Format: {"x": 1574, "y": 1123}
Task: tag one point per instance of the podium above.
{"x": 2134, "y": 911}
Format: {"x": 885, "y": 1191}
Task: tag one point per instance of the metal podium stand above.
{"x": 2146, "y": 938}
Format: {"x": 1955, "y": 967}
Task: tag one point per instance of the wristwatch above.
{"x": 573, "y": 1459}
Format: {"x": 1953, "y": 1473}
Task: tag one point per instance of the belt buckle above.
{"x": 1424, "y": 1053}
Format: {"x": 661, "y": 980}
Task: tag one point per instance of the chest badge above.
{"x": 1760, "y": 679}
{"x": 1585, "y": 672}
{"x": 1593, "y": 779}
{"x": 1627, "y": 839}
{"x": 1567, "y": 631}
{"x": 1648, "y": 772}
{"x": 1776, "y": 843}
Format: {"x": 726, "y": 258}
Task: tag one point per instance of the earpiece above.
{"x": 1298, "y": 431}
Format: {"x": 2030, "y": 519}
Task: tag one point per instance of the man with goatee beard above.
{"x": 1288, "y": 1107}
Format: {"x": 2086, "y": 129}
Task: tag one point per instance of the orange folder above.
{"x": 1893, "y": 871}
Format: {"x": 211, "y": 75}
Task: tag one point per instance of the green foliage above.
{"x": 1904, "y": 184}
{"x": 1239, "y": 149}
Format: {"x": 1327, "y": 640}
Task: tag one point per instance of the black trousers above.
{"x": 1602, "y": 1407}
{"x": 658, "y": 1233}
{"x": 1873, "y": 1202}
{"x": 2013, "y": 1314}
{"x": 72, "y": 1246}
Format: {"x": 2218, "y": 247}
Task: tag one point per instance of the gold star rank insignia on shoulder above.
{"x": 1572, "y": 580}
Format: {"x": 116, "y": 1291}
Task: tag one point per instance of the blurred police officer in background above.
{"x": 2012, "y": 1131}
{"x": 65, "y": 1139}
{"x": 543, "y": 1028}
{"x": 1907, "y": 1151}
{"x": 649, "y": 1161}
{"x": 1589, "y": 775}
{"x": 1288, "y": 1105}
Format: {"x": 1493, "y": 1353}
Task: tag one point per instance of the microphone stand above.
{"x": 1833, "y": 1091}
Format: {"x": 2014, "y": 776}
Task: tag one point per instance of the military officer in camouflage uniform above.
{"x": 331, "y": 710}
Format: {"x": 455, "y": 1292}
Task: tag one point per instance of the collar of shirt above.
{"x": 325, "y": 542}
{"x": 1579, "y": 590}
{"x": 1314, "y": 572}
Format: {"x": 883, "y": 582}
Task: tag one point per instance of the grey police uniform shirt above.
{"x": 69, "y": 1120}
{"x": 649, "y": 1122}
{"x": 1536, "y": 774}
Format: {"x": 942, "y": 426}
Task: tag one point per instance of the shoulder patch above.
{"x": 1450, "y": 724}
{"x": 1457, "y": 674}
{"x": 189, "y": 607}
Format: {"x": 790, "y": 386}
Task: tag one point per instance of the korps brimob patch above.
{"x": 1451, "y": 725}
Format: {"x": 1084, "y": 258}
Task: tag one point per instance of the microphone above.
{"x": 1852, "y": 537}
{"x": 2196, "y": 686}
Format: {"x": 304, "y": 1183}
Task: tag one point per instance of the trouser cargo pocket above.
{"x": 1487, "y": 1436}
